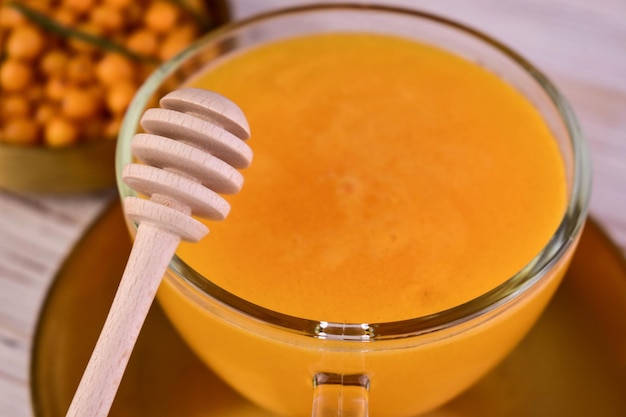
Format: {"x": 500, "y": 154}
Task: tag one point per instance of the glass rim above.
{"x": 511, "y": 289}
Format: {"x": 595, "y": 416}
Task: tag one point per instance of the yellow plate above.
{"x": 573, "y": 363}
{"x": 74, "y": 169}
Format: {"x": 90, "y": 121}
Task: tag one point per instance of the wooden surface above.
{"x": 579, "y": 44}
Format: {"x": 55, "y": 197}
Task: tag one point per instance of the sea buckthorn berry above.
{"x": 60, "y": 132}
{"x": 175, "y": 41}
{"x": 56, "y": 88}
{"x": 10, "y": 17}
{"x": 143, "y": 42}
{"x": 161, "y": 16}
{"x": 25, "y": 42}
{"x": 114, "y": 68}
{"x": 80, "y": 69}
{"x": 15, "y": 75}
{"x": 80, "y": 104}
{"x": 108, "y": 17}
{"x": 53, "y": 62}
{"x": 119, "y": 97}
{"x": 65, "y": 16}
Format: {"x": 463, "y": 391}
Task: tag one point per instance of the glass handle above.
{"x": 337, "y": 395}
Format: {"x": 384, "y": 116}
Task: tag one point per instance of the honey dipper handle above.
{"x": 191, "y": 151}
{"x": 152, "y": 250}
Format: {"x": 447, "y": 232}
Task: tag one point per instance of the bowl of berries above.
{"x": 68, "y": 71}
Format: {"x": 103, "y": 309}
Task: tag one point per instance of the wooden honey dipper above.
{"x": 192, "y": 149}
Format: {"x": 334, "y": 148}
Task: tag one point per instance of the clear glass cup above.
{"x": 295, "y": 366}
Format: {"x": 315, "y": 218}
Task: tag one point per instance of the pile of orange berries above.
{"x": 60, "y": 90}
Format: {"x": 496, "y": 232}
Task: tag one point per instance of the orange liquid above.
{"x": 390, "y": 180}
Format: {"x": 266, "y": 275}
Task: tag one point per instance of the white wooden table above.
{"x": 580, "y": 44}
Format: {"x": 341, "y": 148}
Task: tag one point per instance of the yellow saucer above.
{"x": 573, "y": 363}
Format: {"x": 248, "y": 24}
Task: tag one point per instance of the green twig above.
{"x": 50, "y": 25}
{"x": 203, "y": 20}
